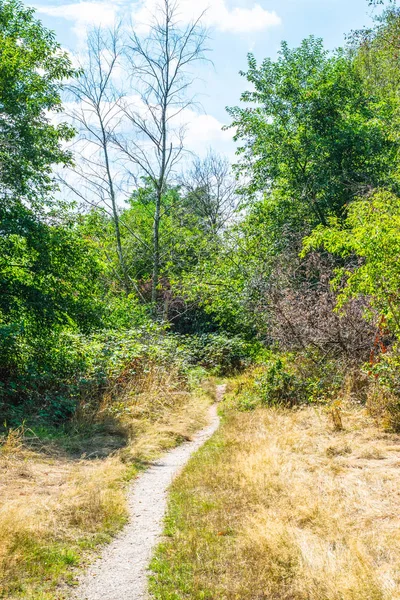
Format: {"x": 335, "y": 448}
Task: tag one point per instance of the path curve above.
{"x": 121, "y": 571}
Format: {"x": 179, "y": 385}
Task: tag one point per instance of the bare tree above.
{"x": 160, "y": 70}
{"x": 211, "y": 191}
{"x": 96, "y": 111}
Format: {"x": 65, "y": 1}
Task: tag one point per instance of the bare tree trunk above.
{"x": 159, "y": 69}
{"x": 97, "y": 113}
{"x": 115, "y": 215}
{"x": 156, "y": 248}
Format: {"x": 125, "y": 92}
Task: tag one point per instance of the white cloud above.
{"x": 241, "y": 20}
{"x": 217, "y": 14}
{"x": 83, "y": 14}
{"x": 204, "y": 132}
{"x": 205, "y": 128}
{"x": 96, "y": 13}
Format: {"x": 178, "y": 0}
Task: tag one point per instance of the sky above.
{"x": 236, "y": 27}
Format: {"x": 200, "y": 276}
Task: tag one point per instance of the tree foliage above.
{"x": 310, "y": 130}
{"x": 32, "y": 67}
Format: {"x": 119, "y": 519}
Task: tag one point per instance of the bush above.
{"x": 46, "y": 377}
{"x": 383, "y": 400}
{"x": 272, "y": 384}
{"x": 280, "y": 385}
{"x": 302, "y": 315}
{"x": 220, "y": 354}
{"x": 289, "y": 380}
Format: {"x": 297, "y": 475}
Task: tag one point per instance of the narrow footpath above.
{"x": 121, "y": 571}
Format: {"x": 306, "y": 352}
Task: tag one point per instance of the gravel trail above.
{"x": 121, "y": 571}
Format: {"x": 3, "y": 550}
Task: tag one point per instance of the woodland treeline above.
{"x": 119, "y": 248}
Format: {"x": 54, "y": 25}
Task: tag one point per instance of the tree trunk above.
{"x": 120, "y": 253}
{"x": 121, "y": 260}
{"x": 156, "y": 248}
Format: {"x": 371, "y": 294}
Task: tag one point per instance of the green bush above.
{"x": 280, "y": 385}
{"x": 46, "y": 377}
{"x": 323, "y": 377}
{"x": 289, "y": 380}
{"x": 387, "y": 370}
{"x": 220, "y": 354}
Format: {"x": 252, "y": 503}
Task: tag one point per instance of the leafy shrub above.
{"x": 279, "y": 384}
{"x": 221, "y": 354}
{"x": 47, "y": 376}
{"x": 371, "y": 233}
{"x": 272, "y": 384}
{"x": 323, "y": 377}
{"x": 289, "y": 380}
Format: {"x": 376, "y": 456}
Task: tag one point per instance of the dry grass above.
{"x": 57, "y": 504}
{"x": 281, "y": 506}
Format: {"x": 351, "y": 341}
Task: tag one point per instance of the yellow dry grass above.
{"x": 56, "y": 506}
{"x": 281, "y": 506}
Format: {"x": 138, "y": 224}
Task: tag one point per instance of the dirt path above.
{"x": 121, "y": 572}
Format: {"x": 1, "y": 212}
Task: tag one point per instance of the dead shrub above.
{"x": 298, "y": 303}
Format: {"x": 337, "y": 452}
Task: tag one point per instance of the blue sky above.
{"x": 236, "y": 27}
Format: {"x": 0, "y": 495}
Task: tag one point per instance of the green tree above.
{"x": 310, "y": 131}
{"x": 38, "y": 269}
{"x": 32, "y": 67}
{"x": 375, "y": 53}
{"x": 183, "y": 240}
